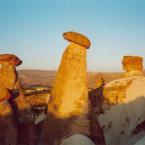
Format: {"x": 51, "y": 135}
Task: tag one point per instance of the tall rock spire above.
{"x": 69, "y": 99}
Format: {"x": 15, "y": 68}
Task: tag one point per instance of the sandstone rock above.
{"x": 77, "y": 38}
{"x": 39, "y": 104}
{"x": 69, "y": 99}
{"x": 77, "y": 139}
{"x": 8, "y": 76}
{"x": 7, "y": 126}
{"x": 68, "y": 104}
{"x": 38, "y": 100}
{"x": 132, "y": 63}
{"x": 10, "y": 58}
{"x": 4, "y": 94}
{"x": 100, "y": 82}
{"x": 22, "y": 111}
{"x": 69, "y": 96}
{"x": 8, "y": 135}
{"x": 133, "y": 73}
{"x": 127, "y": 99}
{"x": 115, "y": 91}
{"x": 25, "y": 121}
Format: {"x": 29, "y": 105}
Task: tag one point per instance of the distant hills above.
{"x": 46, "y": 78}
{"x": 36, "y": 77}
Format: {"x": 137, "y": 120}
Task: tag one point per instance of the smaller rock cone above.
{"x": 22, "y": 111}
{"x": 133, "y": 65}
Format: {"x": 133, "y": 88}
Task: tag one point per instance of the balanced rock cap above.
{"x": 11, "y": 59}
{"x": 132, "y": 63}
{"x": 77, "y": 38}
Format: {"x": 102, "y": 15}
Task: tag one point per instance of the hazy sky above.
{"x": 32, "y": 29}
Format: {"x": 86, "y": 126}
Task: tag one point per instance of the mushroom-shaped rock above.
{"x": 132, "y": 63}
{"x": 69, "y": 93}
{"x": 77, "y": 38}
{"x": 22, "y": 110}
{"x": 11, "y": 59}
{"x": 68, "y": 104}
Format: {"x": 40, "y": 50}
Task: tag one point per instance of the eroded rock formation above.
{"x": 8, "y": 129}
{"x": 22, "y": 110}
{"x": 68, "y": 105}
{"x": 123, "y": 105}
{"x": 77, "y": 38}
{"x": 115, "y": 91}
{"x": 121, "y": 118}
{"x": 133, "y": 65}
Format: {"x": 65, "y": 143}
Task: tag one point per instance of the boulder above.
{"x": 123, "y": 110}
{"x": 4, "y": 94}
{"x": 69, "y": 96}
{"x": 132, "y": 63}
{"x": 10, "y": 58}
{"x": 77, "y": 38}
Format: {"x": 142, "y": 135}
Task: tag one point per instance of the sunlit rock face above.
{"x": 77, "y": 38}
{"x": 8, "y": 75}
{"x": 123, "y": 103}
{"x": 22, "y": 115}
{"x": 38, "y": 102}
{"x": 4, "y": 94}
{"x": 7, "y": 80}
{"x": 10, "y": 59}
{"x": 69, "y": 96}
{"x": 119, "y": 120}
{"x": 5, "y": 71}
{"x": 68, "y": 104}
{"x": 115, "y": 91}
{"x": 126, "y": 99}
{"x": 133, "y": 65}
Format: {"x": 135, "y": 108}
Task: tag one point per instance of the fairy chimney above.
{"x": 7, "y": 81}
{"x": 133, "y": 65}
{"x": 69, "y": 97}
{"x": 22, "y": 110}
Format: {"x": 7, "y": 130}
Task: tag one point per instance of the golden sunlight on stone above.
{"x": 69, "y": 95}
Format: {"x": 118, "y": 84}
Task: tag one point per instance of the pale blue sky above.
{"x": 32, "y": 29}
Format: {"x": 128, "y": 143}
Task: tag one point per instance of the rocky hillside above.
{"x": 36, "y": 77}
{"x": 46, "y": 78}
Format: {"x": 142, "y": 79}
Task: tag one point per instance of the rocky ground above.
{"x": 38, "y": 95}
